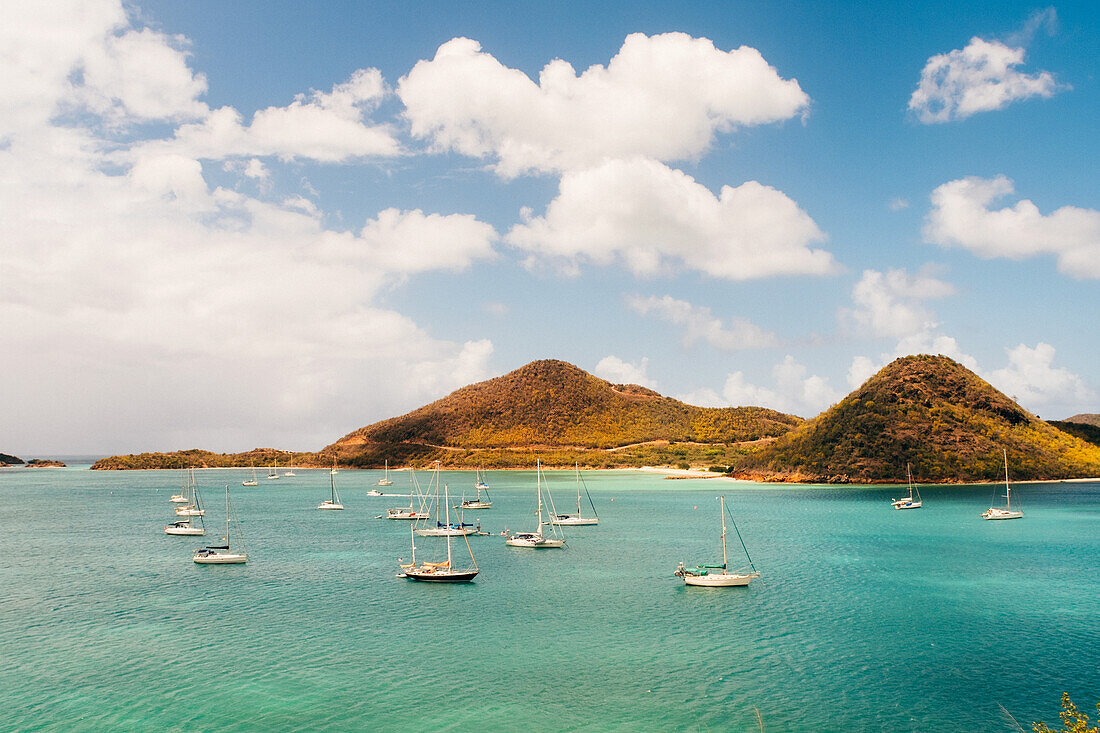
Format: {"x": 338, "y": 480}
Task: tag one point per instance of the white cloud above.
{"x": 617, "y": 371}
{"x": 135, "y": 293}
{"x": 794, "y": 391}
{"x": 890, "y": 303}
{"x": 961, "y": 216}
{"x": 662, "y": 97}
{"x": 142, "y": 75}
{"x": 328, "y": 127}
{"x": 656, "y": 220}
{"x": 495, "y": 308}
{"x": 898, "y": 204}
{"x": 699, "y": 324}
{"x": 978, "y": 78}
{"x": 1031, "y": 379}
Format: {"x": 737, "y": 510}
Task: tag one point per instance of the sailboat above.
{"x": 1005, "y": 512}
{"x": 908, "y": 502}
{"x": 479, "y": 503}
{"x": 289, "y": 473}
{"x": 181, "y": 498}
{"x": 252, "y": 481}
{"x": 333, "y": 502}
{"x": 577, "y": 519}
{"x": 193, "y": 507}
{"x": 385, "y": 480}
{"x": 536, "y": 539}
{"x": 274, "y": 471}
{"x": 185, "y": 527}
{"x": 416, "y": 508}
{"x": 224, "y": 554}
{"x": 445, "y": 528}
{"x": 439, "y": 572}
{"x": 718, "y": 576}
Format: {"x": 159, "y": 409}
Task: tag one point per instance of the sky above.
{"x": 266, "y": 224}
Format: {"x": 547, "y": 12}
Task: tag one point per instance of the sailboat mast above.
{"x": 332, "y": 484}
{"x": 227, "y": 542}
{"x": 1008, "y": 491}
{"x": 725, "y": 561}
{"x": 447, "y": 501}
{"x": 538, "y": 490}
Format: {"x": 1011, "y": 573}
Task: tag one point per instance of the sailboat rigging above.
{"x": 536, "y": 539}
{"x": 908, "y": 502}
{"x": 719, "y": 576}
{"x": 439, "y": 572}
{"x": 574, "y": 520}
{"x": 224, "y": 554}
{"x": 1005, "y": 512}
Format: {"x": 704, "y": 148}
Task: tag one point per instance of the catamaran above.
{"x": 479, "y": 503}
{"x": 439, "y": 572}
{"x": 718, "y": 576}
{"x": 908, "y": 502}
{"x": 1005, "y": 512}
{"x": 333, "y": 502}
{"x": 574, "y": 520}
{"x": 385, "y": 480}
{"x": 416, "y": 509}
{"x": 252, "y": 481}
{"x": 224, "y": 554}
{"x": 536, "y": 539}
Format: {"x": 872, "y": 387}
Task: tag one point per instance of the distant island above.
{"x": 8, "y": 460}
{"x": 927, "y": 411}
{"x": 44, "y": 463}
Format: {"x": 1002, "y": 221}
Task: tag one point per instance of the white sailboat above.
{"x": 385, "y": 480}
{"x": 417, "y": 508}
{"x": 909, "y": 502}
{"x": 193, "y": 507}
{"x": 719, "y": 576}
{"x": 274, "y": 470}
{"x": 185, "y": 527}
{"x": 289, "y": 473}
{"x": 224, "y": 554}
{"x": 1005, "y": 512}
{"x": 439, "y": 572}
{"x": 574, "y": 520}
{"x": 181, "y": 498}
{"x": 479, "y": 503}
{"x": 444, "y": 528}
{"x": 333, "y": 502}
{"x": 252, "y": 481}
{"x": 537, "y": 539}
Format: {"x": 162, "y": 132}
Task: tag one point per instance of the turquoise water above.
{"x": 865, "y": 618}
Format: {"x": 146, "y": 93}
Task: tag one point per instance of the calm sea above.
{"x": 865, "y": 619}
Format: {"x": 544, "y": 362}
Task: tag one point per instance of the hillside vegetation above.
{"x": 931, "y": 412}
{"x": 195, "y": 458}
{"x": 554, "y": 406}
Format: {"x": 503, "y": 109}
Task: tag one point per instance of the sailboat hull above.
{"x": 476, "y": 504}
{"x": 993, "y": 513}
{"x": 443, "y": 576}
{"x": 538, "y": 544}
{"x": 184, "y": 530}
{"x": 445, "y": 531}
{"x": 567, "y": 521}
{"x": 329, "y": 505}
{"x": 188, "y": 512}
{"x": 178, "y": 500}
{"x": 221, "y": 558}
{"x": 405, "y": 514}
{"x": 902, "y": 504}
{"x": 721, "y": 580}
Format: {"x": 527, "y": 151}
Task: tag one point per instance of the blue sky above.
{"x": 267, "y": 224}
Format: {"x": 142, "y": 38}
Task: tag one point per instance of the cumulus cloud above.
{"x": 978, "y": 78}
{"x": 793, "y": 391}
{"x": 135, "y": 292}
{"x": 656, "y": 220}
{"x": 663, "y": 97}
{"x": 617, "y": 371}
{"x": 961, "y": 216}
{"x": 697, "y": 323}
{"x": 891, "y": 303}
{"x": 1031, "y": 378}
{"x": 330, "y": 127}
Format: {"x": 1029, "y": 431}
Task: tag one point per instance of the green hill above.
{"x": 195, "y": 458}
{"x": 1085, "y": 431}
{"x": 933, "y": 413}
{"x": 554, "y": 409}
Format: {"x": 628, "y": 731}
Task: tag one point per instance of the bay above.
{"x": 865, "y": 618}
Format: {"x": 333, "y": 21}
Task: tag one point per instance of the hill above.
{"x": 6, "y": 460}
{"x": 555, "y": 409}
{"x": 933, "y": 413}
{"x": 1084, "y": 431}
{"x": 1085, "y": 418}
{"x": 195, "y": 458}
